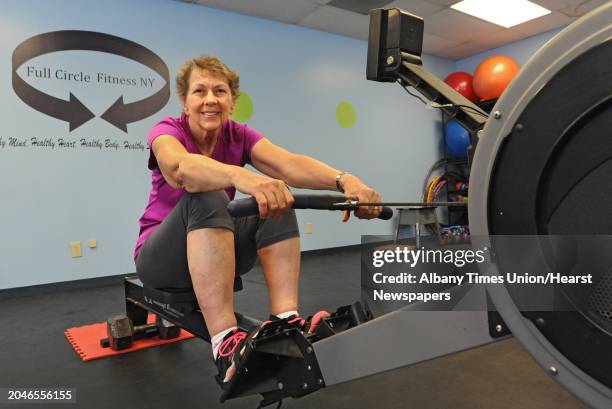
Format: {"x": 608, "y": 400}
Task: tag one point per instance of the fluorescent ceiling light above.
{"x": 506, "y": 13}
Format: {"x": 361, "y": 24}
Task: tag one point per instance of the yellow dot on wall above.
{"x": 244, "y": 108}
{"x": 346, "y": 114}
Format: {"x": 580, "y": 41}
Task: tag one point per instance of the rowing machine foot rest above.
{"x": 278, "y": 363}
{"x": 344, "y": 318}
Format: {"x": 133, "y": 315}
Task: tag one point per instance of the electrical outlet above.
{"x": 93, "y": 243}
{"x": 75, "y": 249}
{"x": 308, "y": 228}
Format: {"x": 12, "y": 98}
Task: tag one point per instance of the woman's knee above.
{"x": 288, "y": 222}
{"x": 272, "y": 231}
{"x": 289, "y": 219}
{"x": 215, "y": 201}
{"x": 207, "y": 209}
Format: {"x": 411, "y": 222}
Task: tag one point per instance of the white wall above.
{"x": 295, "y": 76}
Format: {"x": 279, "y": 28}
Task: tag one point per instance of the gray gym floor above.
{"x": 35, "y": 353}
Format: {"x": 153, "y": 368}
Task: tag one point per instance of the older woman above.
{"x": 187, "y": 238}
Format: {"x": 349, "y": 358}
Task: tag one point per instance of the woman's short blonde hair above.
{"x": 206, "y": 63}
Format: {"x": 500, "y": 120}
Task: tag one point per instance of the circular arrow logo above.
{"x": 74, "y": 111}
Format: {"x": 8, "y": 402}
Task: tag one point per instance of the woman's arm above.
{"x": 184, "y": 170}
{"x": 199, "y": 173}
{"x": 296, "y": 170}
{"x": 305, "y": 172}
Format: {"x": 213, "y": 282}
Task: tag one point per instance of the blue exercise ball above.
{"x": 457, "y": 139}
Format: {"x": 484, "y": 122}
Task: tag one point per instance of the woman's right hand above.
{"x": 272, "y": 195}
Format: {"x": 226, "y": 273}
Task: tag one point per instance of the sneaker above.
{"x": 310, "y": 325}
{"x": 226, "y": 363}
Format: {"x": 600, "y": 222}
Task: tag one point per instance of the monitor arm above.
{"x": 394, "y": 55}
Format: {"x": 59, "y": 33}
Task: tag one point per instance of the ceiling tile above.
{"x": 454, "y": 25}
{"x": 288, "y": 11}
{"x": 443, "y": 2}
{"x": 571, "y": 8}
{"x": 498, "y": 39}
{"x": 338, "y": 21}
{"x": 552, "y": 4}
{"x": 361, "y": 6}
{"x": 460, "y": 51}
{"x": 580, "y": 9}
{"x": 448, "y": 33}
{"x": 543, "y": 24}
{"x": 319, "y": 2}
{"x": 419, "y": 7}
{"x": 433, "y": 44}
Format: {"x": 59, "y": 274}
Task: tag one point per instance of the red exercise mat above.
{"x": 86, "y": 341}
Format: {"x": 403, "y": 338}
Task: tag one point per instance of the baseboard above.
{"x": 43, "y": 289}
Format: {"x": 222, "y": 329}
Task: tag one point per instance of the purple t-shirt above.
{"x": 233, "y": 147}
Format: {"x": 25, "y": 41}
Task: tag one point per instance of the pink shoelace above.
{"x": 231, "y": 343}
{"x": 301, "y": 322}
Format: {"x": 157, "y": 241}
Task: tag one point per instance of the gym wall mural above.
{"x": 28, "y": 74}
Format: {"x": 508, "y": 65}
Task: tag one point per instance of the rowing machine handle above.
{"x": 248, "y": 206}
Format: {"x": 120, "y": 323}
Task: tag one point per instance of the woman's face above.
{"x": 208, "y": 102}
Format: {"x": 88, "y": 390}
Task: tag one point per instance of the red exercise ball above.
{"x": 461, "y": 82}
{"x": 493, "y": 75}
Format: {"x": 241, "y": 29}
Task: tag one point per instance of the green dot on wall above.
{"x": 346, "y": 114}
{"x": 244, "y": 108}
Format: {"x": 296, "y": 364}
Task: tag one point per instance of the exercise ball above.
{"x": 493, "y": 75}
{"x": 461, "y": 82}
{"x": 457, "y": 139}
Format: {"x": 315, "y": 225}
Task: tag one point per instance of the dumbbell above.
{"x": 122, "y": 333}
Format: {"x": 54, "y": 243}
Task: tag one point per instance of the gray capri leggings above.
{"x": 162, "y": 259}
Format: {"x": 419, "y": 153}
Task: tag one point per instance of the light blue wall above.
{"x": 295, "y": 76}
{"x": 520, "y": 51}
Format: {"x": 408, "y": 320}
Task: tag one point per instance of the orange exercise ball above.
{"x": 461, "y": 82}
{"x": 493, "y": 75}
